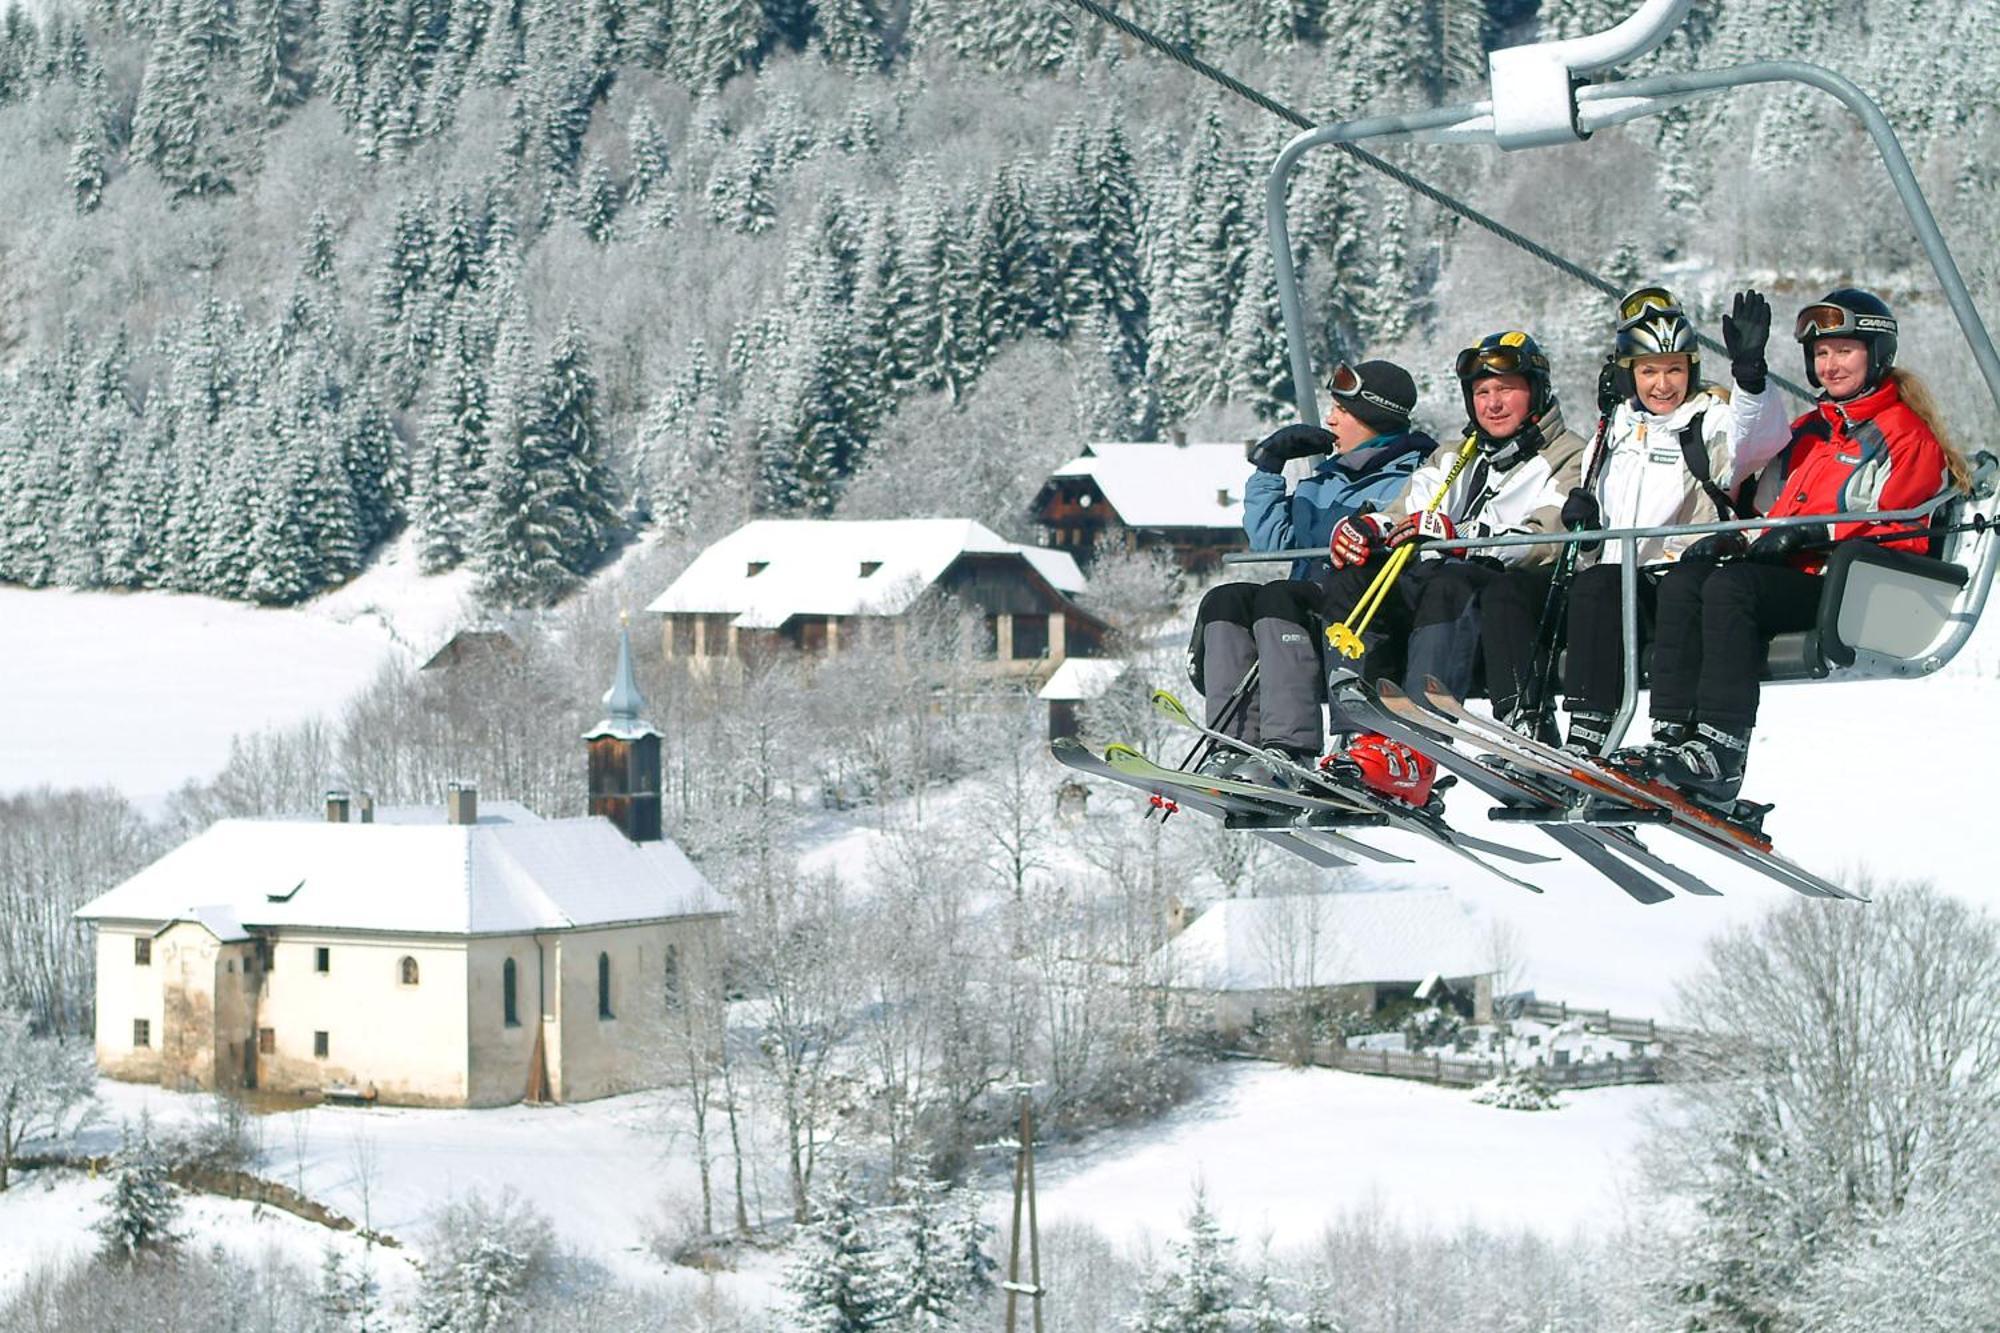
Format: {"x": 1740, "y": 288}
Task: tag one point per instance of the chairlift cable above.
{"x": 1182, "y": 55}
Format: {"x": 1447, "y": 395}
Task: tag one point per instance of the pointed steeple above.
{"x": 623, "y": 704}
{"x": 625, "y": 754}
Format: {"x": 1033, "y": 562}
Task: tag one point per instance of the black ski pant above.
{"x": 1714, "y": 624}
{"x": 1510, "y": 627}
{"x": 1428, "y": 625}
{"x": 1594, "y": 675}
{"x": 1276, "y": 627}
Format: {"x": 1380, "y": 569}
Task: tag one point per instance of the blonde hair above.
{"x": 1918, "y": 397}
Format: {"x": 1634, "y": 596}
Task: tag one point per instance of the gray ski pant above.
{"x": 1428, "y": 625}
{"x": 1276, "y": 627}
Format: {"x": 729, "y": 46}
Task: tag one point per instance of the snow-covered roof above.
{"x": 770, "y": 570}
{"x": 1327, "y": 939}
{"x": 429, "y": 879}
{"x": 1082, "y": 678}
{"x": 218, "y": 921}
{"x": 1167, "y": 485}
{"x": 490, "y": 812}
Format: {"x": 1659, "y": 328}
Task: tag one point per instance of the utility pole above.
{"x": 1024, "y": 1189}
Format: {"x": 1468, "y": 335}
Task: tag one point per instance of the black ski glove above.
{"x": 1608, "y": 396}
{"x": 1282, "y": 445}
{"x": 1581, "y": 512}
{"x": 1516, "y": 449}
{"x": 1717, "y": 547}
{"x": 1745, "y": 330}
{"x": 1779, "y": 545}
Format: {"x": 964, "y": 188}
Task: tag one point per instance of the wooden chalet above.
{"x": 1183, "y": 498}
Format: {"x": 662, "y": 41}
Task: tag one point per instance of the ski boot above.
{"x": 1588, "y": 733}
{"x": 1708, "y": 766}
{"x": 1388, "y": 768}
{"x": 1643, "y": 761}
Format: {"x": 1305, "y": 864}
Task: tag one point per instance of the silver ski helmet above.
{"x": 1849, "y": 312}
{"x": 1510, "y": 353}
{"x": 1652, "y": 323}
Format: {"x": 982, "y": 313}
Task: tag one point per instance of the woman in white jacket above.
{"x": 1672, "y": 451}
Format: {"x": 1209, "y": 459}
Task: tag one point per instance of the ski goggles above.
{"x": 1827, "y": 320}
{"x": 1644, "y": 302}
{"x": 1345, "y": 385}
{"x": 1502, "y": 360}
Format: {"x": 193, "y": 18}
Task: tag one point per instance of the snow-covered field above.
{"x": 1281, "y": 1151}
{"x": 1891, "y": 776}
{"x": 173, "y": 677}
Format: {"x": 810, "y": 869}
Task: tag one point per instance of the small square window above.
{"x": 267, "y": 1041}
{"x": 319, "y": 1045}
{"x": 322, "y": 959}
{"x": 142, "y": 1032}
{"x": 142, "y": 952}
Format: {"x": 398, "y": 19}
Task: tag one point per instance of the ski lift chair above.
{"x": 1890, "y": 614}
{"x": 1885, "y": 614}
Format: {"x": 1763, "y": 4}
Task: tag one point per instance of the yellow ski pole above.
{"x": 1345, "y": 637}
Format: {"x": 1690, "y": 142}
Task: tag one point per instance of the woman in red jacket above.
{"x": 1872, "y": 442}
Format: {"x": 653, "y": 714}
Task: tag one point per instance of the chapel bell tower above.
{"x": 625, "y": 755}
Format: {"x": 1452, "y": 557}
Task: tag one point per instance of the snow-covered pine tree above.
{"x": 277, "y": 50}
{"x": 1260, "y": 368}
{"x": 399, "y": 306}
{"x": 835, "y": 1277}
{"x": 1005, "y": 279}
{"x": 551, "y": 502}
{"x": 348, "y": 1293}
{"x": 456, "y": 430}
{"x": 457, "y": 257}
{"x": 852, "y": 33}
{"x": 1192, "y": 1290}
{"x": 648, "y": 183}
{"x": 596, "y": 205}
{"x": 372, "y": 456}
{"x": 144, "y": 1206}
{"x": 177, "y": 125}
{"x": 720, "y": 40}
{"x": 86, "y": 166}
{"x": 941, "y": 1266}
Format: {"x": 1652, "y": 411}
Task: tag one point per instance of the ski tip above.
{"x": 1118, "y": 749}
{"x": 1165, "y": 701}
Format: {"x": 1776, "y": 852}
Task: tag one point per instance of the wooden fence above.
{"x": 1603, "y": 1020}
{"x": 1465, "y": 1073}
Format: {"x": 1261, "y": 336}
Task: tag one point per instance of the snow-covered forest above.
{"x": 524, "y": 285}
{"x": 284, "y": 277}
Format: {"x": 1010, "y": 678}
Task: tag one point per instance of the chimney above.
{"x": 461, "y": 803}
{"x": 1179, "y": 436}
{"x": 364, "y": 807}
{"x": 336, "y": 807}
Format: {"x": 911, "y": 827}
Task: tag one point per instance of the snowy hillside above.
{"x": 173, "y": 676}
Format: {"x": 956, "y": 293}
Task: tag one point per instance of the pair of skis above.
{"x": 1588, "y": 810}
{"x": 1581, "y": 790}
{"x": 1315, "y": 802}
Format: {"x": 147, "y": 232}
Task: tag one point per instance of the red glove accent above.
{"x": 1423, "y": 526}
{"x": 1356, "y": 538}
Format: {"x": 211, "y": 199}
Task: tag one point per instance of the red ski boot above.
{"x": 1388, "y": 767}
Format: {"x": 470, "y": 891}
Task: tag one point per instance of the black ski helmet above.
{"x": 1849, "y": 312}
{"x": 1508, "y": 353}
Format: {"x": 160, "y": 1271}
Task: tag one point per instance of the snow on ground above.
{"x": 48, "y": 1217}
{"x": 1281, "y": 1152}
{"x": 175, "y": 676}
{"x": 609, "y": 1174}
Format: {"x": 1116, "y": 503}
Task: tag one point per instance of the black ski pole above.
{"x": 1539, "y": 689}
{"x": 1238, "y": 699}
